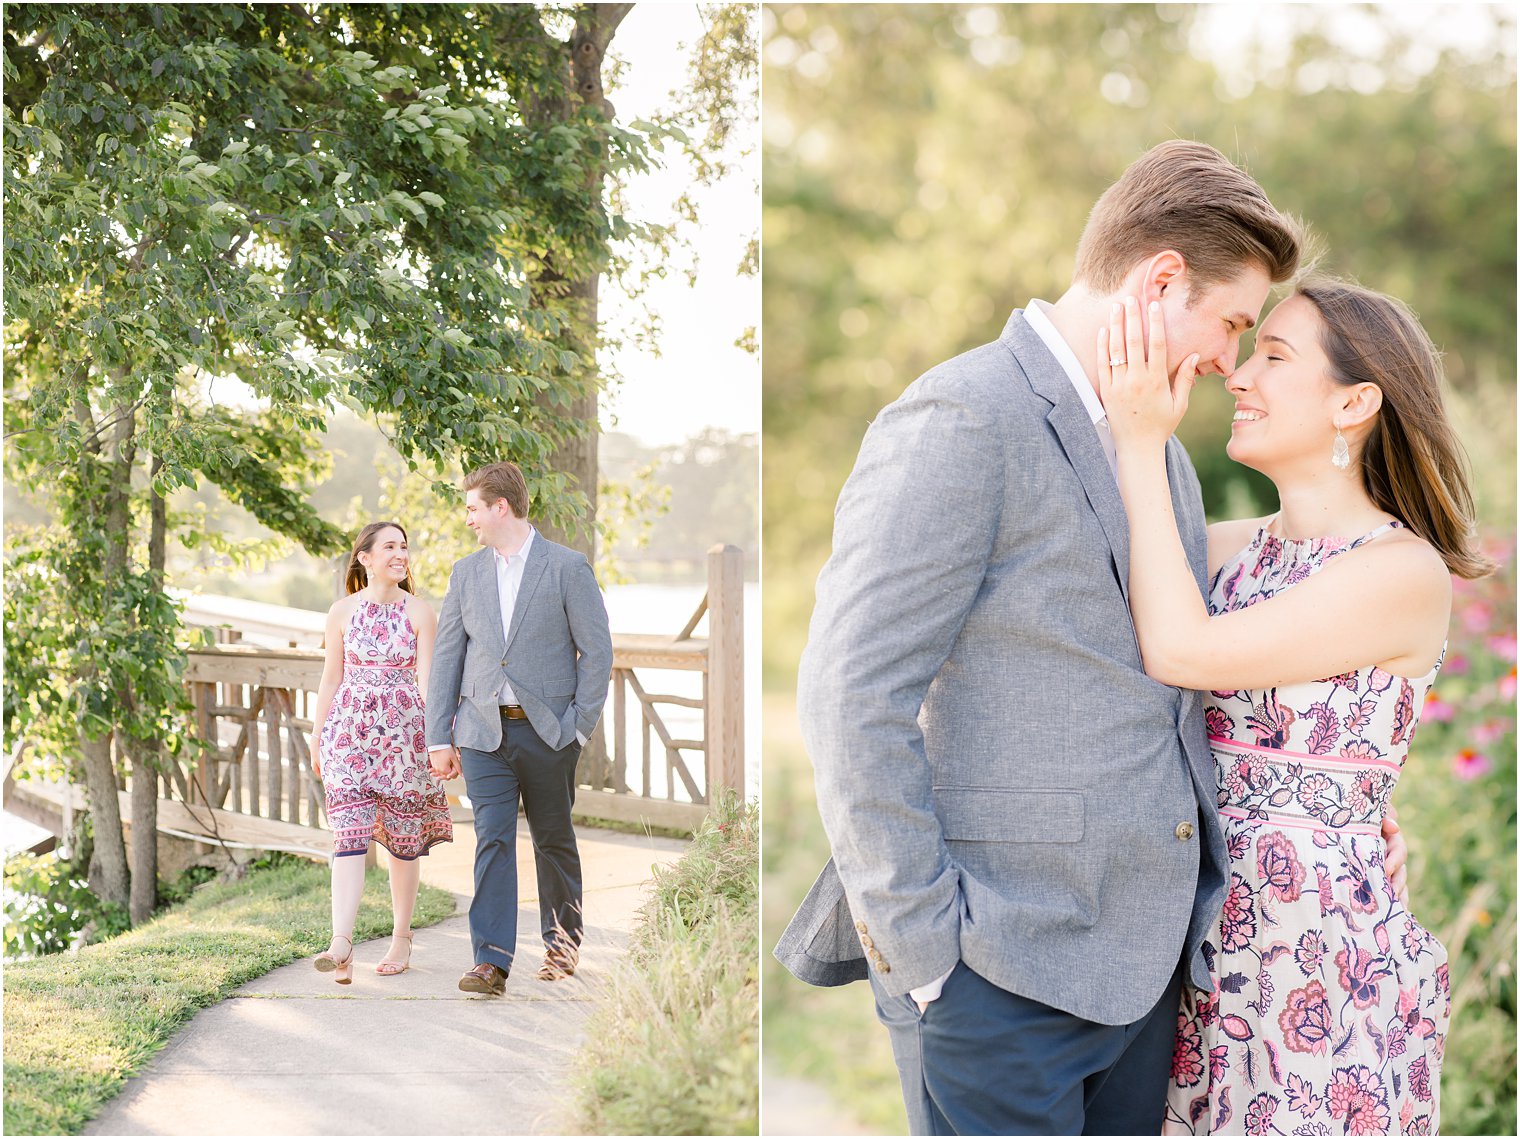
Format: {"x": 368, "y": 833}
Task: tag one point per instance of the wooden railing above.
{"x": 255, "y": 705}
{"x": 719, "y": 657}
{"x": 255, "y": 788}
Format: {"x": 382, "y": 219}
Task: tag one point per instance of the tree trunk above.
{"x": 109, "y": 877}
{"x": 146, "y": 763}
{"x": 108, "y": 870}
{"x": 576, "y": 457}
{"x": 144, "y": 896}
{"x": 595, "y": 25}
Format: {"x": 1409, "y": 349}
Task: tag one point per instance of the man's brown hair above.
{"x": 497, "y": 481}
{"x": 1186, "y": 196}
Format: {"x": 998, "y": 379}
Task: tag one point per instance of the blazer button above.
{"x": 882, "y": 966}
{"x": 1184, "y": 831}
{"x": 865, "y": 939}
{"x": 860, "y": 927}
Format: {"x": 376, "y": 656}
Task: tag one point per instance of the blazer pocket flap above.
{"x": 996, "y": 814}
{"x": 560, "y": 687}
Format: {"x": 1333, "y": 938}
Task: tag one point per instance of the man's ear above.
{"x": 1164, "y": 271}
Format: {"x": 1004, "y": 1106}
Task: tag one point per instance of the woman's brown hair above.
{"x": 355, "y": 579}
{"x": 1412, "y": 464}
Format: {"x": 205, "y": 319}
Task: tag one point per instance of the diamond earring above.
{"x": 1340, "y": 454}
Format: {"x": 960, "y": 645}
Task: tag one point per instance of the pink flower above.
{"x": 1219, "y": 722}
{"x": 1310, "y": 952}
{"x": 1356, "y": 1095}
{"x": 1306, "y": 1020}
{"x": 1490, "y": 731}
{"x": 1187, "y": 1053}
{"x": 1456, "y": 665}
{"x": 1238, "y": 921}
{"x": 1379, "y": 680}
{"x": 1470, "y": 764}
{"x": 1502, "y": 645}
{"x": 1270, "y": 721}
{"x": 1507, "y": 685}
{"x": 1259, "y": 1114}
{"x": 1312, "y": 787}
{"x": 1278, "y": 866}
{"x": 1476, "y": 617}
{"x": 1416, "y": 941}
{"x": 1437, "y": 711}
{"x": 1359, "y": 975}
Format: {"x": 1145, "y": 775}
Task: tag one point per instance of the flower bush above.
{"x": 1456, "y": 802}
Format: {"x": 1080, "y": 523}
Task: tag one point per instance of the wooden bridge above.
{"x": 256, "y": 787}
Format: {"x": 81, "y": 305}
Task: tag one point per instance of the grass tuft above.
{"x": 78, "y": 1024}
{"x": 675, "y": 1050}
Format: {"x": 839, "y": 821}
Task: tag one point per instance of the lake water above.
{"x": 631, "y": 609}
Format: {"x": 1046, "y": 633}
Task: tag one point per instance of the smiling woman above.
{"x": 1323, "y": 629}
{"x": 370, "y": 752}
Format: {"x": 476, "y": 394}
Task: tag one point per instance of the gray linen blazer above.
{"x": 557, "y": 652}
{"x": 1000, "y": 782}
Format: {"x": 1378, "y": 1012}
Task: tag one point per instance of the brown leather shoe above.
{"x": 484, "y": 978}
{"x": 558, "y": 964}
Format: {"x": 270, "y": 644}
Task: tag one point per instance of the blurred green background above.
{"x": 929, "y": 168}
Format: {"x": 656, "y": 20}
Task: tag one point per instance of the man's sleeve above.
{"x": 913, "y": 534}
{"x": 589, "y": 628}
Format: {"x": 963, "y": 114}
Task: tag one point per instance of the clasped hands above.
{"x": 444, "y": 763}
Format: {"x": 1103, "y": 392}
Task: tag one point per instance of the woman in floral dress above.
{"x": 1324, "y": 627}
{"x": 370, "y": 752}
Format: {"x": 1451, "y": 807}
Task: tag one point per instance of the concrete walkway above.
{"x": 292, "y": 1053}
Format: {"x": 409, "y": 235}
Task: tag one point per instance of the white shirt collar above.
{"x": 1034, "y": 313}
{"x": 521, "y": 554}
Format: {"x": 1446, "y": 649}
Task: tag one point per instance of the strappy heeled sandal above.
{"x": 325, "y": 962}
{"x": 389, "y": 968}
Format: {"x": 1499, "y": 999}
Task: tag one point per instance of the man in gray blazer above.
{"x": 1026, "y": 855}
{"x": 519, "y": 676}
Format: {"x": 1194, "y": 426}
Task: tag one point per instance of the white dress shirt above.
{"x": 509, "y": 575}
{"x": 1034, "y": 313}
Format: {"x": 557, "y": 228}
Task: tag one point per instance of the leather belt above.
{"x": 513, "y": 711}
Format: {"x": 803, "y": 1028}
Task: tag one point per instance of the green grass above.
{"x": 78, "y": 1024}
{"x": 676, "y": 1048}
{"x": 622, "y": 826}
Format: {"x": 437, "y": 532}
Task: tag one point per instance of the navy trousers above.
{"x": 527, "y": 769}
{"x": 983, "y": 1061}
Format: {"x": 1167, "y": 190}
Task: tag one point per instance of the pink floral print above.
{"x": 1332, "y": 1002}
{"x": 375, "y": 771}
